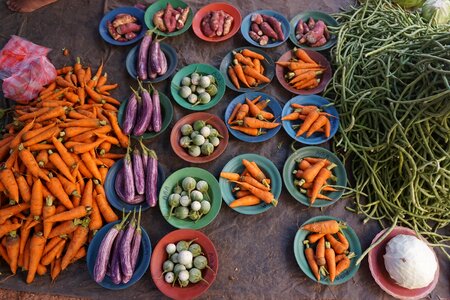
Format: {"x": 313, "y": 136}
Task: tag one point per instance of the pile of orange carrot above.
{"x": 251, "y": 117}
{"x": 54, "y": 159}
{"x": 303, "y": 72}
{"x": 312, "y": 120}
{"x": 252, "y": 186}
{"x": 312, "y": 178}
{"x": 331, "y": 255}
{"x": 247, "y": 69}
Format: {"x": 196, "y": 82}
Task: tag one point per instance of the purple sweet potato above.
{"x": 227, "y": 24}
{"x": 255, "y": 27}
{"x": 183, "y": 17}
{"x": 158, "y": 20}
{"x": 257, "y": 18}
{"x": 276, "y": 25}
{"x": 314, "y": 35}
{"x": 264, "y": 40}
{"x": 254, "y": 36}
{"x": 268, "y": 30}
{"x": 219, "y": 31}
{"x": 205, "y": 27}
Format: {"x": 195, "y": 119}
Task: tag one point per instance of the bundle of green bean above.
{"x": 391, "y": 88}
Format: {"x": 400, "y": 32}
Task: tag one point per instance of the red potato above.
{"x": 257, "y": 18}
{"x": 205, "y": 27}
{"x": 127, "y": 28}
{"x": 268, "y": 30}
{"x": 276, "y": 25}
{"x": 219, "y": 31}
{"x": 183, "y": 17}
{"x": 227, "y": 24}
{"x": 123, "y": 19}
{"x": 255, "y": 28}
{"x": 158, "y": 20}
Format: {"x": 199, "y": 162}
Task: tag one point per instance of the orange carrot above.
{"x": 337, "y": 246}
{"x": 64, "y": 228}
{"x": 242, "y": 112}
{"x": 47, "y": 211}
{"x": 242, "y": 59}
{"x": 331, "y": 262}
{"x": 310, "y": 119}
{"x": 123, "y": 139}
{"x": 254, "y": 182}
{"x": 90, "y": 165}
{"x": 327, "y": 128}
{"x": 291, "y": 117}
{"x": 343, "y": 239}
{"x": 314, "y": 237}
{"x": 91, "y": 123}
{"x": 17, "y": 139}
{"x": 240, "y": 73}
{"x": 49, "y": 256}
{"x": 309, "y": 254}
{"x": 249, "y": 131}
{"x": 74, "y": 213}
{"x": 69, "y": 187}
{"x": 253, "y": 73}
{"x": 96, "y": 217}
{"x": 105, "y": 209}
{"x": 37, "y": 201}
{"x": 37, "y": 244}
{"x": 319, "y": 180}
{"x": 251, "y": 81}
{"x": 85, "y": 147}
{"x": 318, "y": 123}
{"x": 255, "y": 111}
{"x": 12, "y": 249}
{"x": 245, "y": 201}
{"x": 10, "y": 184}
{"x": 86, "y": 199}
{"x": 302, "y": 55}
{"x": 255, "y": 123}
{"x": 320, "y": 252}
{"x": 310, "y": 174}
{"x": 241, "y": 193}
{"x": 56, "y": 188}
{"x": 252, "y": 54}
{"x": 307, "y": 84}
{"x": 230, "y": 176}
{"x": 44, "y": 136}
{"x": 257, "y": 65}
{"x": 79, "y": 238}
{"x": 255, "y": 171}
{"x": 8, "y": 212}
{"x": 34, "y": 114}
{"x": 53, "y": 113}
{"x": 6, "y": 228}
{"x": 304, "y": 76}
{"x": 263, "y": 195}
{"x": 329, "y": 226}
{"x": 343, "y": 264}
{"x": 60, "y": 165}
{"x": 64, "y": 153}
{"x": 56, "y": 270}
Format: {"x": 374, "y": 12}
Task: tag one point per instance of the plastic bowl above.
{"x": 215, "y": 121}
{"x": 291, "y": 164}
{"x": 166, "y": 111}
{"x": 235, "y": 166}
{"x": 226, "y": 7}
{"x": 267, "y": 63}
{"x": 273, "y": 107}
{"x": 136, "y": 12}
{"x": 213, "y": 194}
{"x": 202, "y": 69}
{"x": 381, "y": 276}
{"x": 110, "y": 190}
{"x": 171, "y": 56}
{"x": 161, "y": 4}
{"x": 299, "y": 252}
{"x": 246, "y": 23}
{"x": 160, "y": 255}
{"x": 325, "y": 77}
{"x": 316, "y": 15}
{"x": 141, "y": 265}
{"x": 318, "y": 137}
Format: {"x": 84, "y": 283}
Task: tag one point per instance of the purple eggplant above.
{"x": 157, "y": 118}
{"x": 138, "y": 170}
{"x": 116, "y": 275}
{"x": 130, "y": 114}
{"x": 125, "y": 251}
{"x": 128, "y": 180}
{"x": 151, "y": 179}
{"x": 144, "y": 156}
{"x": 104, "y": 251}
{"x": 119, "y": 185}
{"x": 144, "y": 113}
{"x": 155, "y": 61}
{"x": 163, "y": 61}
{"x": 136, "y": 243}
{"x": 142, "y": 71}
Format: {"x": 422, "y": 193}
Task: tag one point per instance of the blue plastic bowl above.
{"x": 273, "y": 107}
{"x": 316, "y": 138}
{"x": 112, "y": 196}
{"x": 136, "y": 12}
{"x": 142, "y": 264}
{"x": 246, "y": 23}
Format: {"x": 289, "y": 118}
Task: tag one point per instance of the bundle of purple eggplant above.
{"x": 151, "y": 61}
{"x": 118, "y": 253}
{"x": 137, "y": 181}
{"x": 142, "y": 113}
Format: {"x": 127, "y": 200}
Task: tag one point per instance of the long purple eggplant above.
{"x": 119, "y": 185}
{"x": 142, "y": 70}
{"x": 152, "y": 179}
{"x": 128, "y": 179}
{"x": 157, "y": 118}
{"x": 130, "y": 114}
{"x": 136, "y": 243}
{"x": 125, "y": 251}
{"x": 155, "y": 60}
{"x": 104, "y": 251}
{"x": 138, "y": 170}
{"x": 163, "y": 62}
{"x": 144, "y": 114}
{"x": 116, "y": 275}
{"x": 144, "y": 157}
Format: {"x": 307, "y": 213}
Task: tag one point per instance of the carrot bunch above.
{"x": 312, "y": 178}
{"x": 252, "y": 186}
{"x": 251, "y": 117}
{"x": 312, "y": 119}
{"x": 54, "y": 159}
{"x": 331, "y": 255}
{"x": 247, "y": 69}
{"x": 303, "y": 72}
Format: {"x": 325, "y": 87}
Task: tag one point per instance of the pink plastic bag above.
{"x": 25, "y": 69}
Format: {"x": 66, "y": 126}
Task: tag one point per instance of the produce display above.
{"x": 247, "y": 69}
{"x": 198, "y": 88}
{"x": 265, "y": 28}
{"x": 190, "y": 199}
{"x": 252, "y": 186}
{"x": 170, "y": 19}
{"x": 312, "y": 119}
{"x": 124, "y": 27}
{"x": 251, "y": 117}
{"x": 199, "y": 138}
{"x": 216, "y": 23}
{"x": 312, "y": 33}
{"x": 151, "y": 61}
{"x": 137, "y": 180}
{"x": 302, "y": 71}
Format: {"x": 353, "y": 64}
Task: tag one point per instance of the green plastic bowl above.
{"x": 202, "y": 69}
{"x": 166, "y": 111}
{"x": 291, "y": 164}
{"x": 235, "y": 166}
{"x": 161, "y": 4}
{"x": 213, "y": 194}
{"x": 354, "y": 246}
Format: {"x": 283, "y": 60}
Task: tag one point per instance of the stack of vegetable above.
{"x": 184, "y": 264}
{"x": 247, "y": 69}
{"x": 331, "y": 256}
{"x": 137, "y": 180}
{"x": 250, "y": 117}
{"x": 171, "y": 19}
{"x": 312, "y": 175}
{"x": 200, "y": 138}
{"x": 312, "y": 120}
{"x": 198, "y": 88}
{"x": 302, "y": 71}
{"x": 313, "y": 33}
{"x": 252, "y": 186}
{"x": 118, "y": 252}
{"x": 151, "y": 61}
{"x": 216, "y": 23}
{"x": 265, "y": 28}
{"x": 124, "y": 27}
{"x": 190, "y": 200}
{"x": 55, "y": 157}
{"x": 142, "y": 113}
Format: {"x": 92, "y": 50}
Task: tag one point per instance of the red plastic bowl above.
{"x": 226, "y": 7}
{"x": 324, "y": 78}
{"x": 160, "y": 255}
{"x": 381, "y": 276}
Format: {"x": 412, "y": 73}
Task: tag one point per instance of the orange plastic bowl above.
{"x": 226, "y": 7}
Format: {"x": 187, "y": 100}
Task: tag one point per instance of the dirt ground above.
{"x": 14, "y": 295}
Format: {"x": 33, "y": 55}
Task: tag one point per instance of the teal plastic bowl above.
{"x": 161, "y": 4}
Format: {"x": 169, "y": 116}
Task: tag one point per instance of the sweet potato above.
{"x": 311, "y": 23}
{"x": 183, "y": 17}
{"x": 130, "y": 35}
{"x": 263, "y": 40}
{"x": 227, "y": 24}
{"x": 123, "y": 19}
{"x": 320, "y": 42}
{"x": 257, "y": 18}
{"x": 129, "y": 27}
{"x": 113, "y": 32}
{"x": 305, "y": 28}
{"x": 254, "y": 36}
{"x": 276, "y": 26}
{"x": 214, "y": 21}
{"x": 315, "y": 34}
{"x": 268, "y": 30}
{"x": 299, "y": 28}
{"x": 205, "y": 27}
{"x": 255, "y": 28}
{"x": 219, "y": 31}
{"x": 169, "y": 18}
{"x": 158, "y": 20}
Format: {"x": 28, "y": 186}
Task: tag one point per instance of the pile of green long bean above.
{"x": 391, "y": 88}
